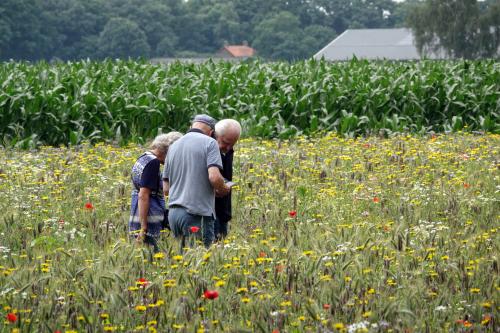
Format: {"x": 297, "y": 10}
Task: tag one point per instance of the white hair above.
{"x": 163, "y": 141}
{"x": 225, "y": 125}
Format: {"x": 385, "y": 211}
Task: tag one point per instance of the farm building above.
{"x": 393, "y": 44}
{"x": 236, "y": 51}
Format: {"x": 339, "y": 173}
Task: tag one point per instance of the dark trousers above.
{"x": 220, "y": 229}
{"x": 181, "y": 223}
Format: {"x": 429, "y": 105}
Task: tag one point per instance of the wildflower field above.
{"x": 329, "y": 235}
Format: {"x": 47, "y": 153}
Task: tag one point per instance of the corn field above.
{"x": 118, "y": 101}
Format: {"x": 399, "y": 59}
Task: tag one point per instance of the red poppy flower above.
{"x": 89, "y": 206}
{"x": 262, "y": 254}
{"x": 194, "y": 229}
{"x": 211, "y": 294}
{"x": 326, "y": 306}
{"x": 292, "y": 213}
{"x": 11, "y": 317}
{"x": 376, "y": 199}
{"x": 142, "y": 281}
{"x": 466, "y": 185}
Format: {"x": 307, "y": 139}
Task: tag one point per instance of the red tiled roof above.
{"x": 240, "y": 50}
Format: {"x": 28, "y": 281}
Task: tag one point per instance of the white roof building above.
{"x": 392, "y": 44}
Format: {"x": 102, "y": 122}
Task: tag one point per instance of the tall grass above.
{"x": 328, "y": 235}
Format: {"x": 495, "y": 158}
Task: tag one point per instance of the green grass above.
{"x": 328, "y": 233}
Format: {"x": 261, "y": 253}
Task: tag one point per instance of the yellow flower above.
{"x": 245, "y": 300}
{"x": 169, "y": 283}
{"x": 486, "y": 305}
{"x": 140, "y": 308}
{"x": 475, "y": 290}
{"x": 159, "y": 255}
{"x": 338, "y": 326}
{"x": 326, "y": 277}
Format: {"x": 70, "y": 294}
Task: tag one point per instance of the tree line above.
{"x": 278, "y": 29}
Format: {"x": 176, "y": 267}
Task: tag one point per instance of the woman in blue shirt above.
{"x": 147, "y": 209}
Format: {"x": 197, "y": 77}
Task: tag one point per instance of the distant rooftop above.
{"x": 394, "y": 44}
{"x": 239, "y": 51}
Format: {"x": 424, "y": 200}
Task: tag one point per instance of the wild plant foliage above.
{"x": 329, "y": 235}
{"x": 132, "y": 101}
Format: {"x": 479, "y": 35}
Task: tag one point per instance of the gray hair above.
{"x": 227, "y": 124}
{"x": 163, "y": 141}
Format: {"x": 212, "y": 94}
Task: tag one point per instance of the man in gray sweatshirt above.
{"x": 191, "y": 176}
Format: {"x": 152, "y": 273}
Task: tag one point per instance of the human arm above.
{"x": 165, "y": 176}
{"x": 217, "y": 181}
{"x": 166, "y": 187}
{"x": 214, "y": 164}
{"x": 143, "y": 205}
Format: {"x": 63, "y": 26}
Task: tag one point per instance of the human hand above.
{"x": 141, "y": 236}
{"x": 223, "y": 191}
